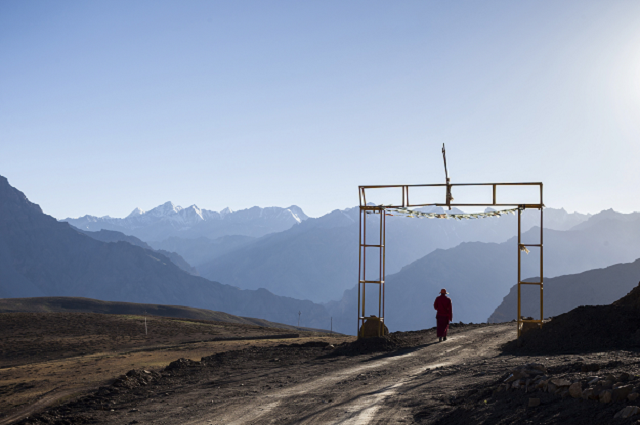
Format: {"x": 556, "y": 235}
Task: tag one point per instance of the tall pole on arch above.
{"x": 446, "y": 174}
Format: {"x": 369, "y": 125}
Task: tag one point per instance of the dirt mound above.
{"x": 370, "y": 345}
{"x": 587, "y": 328}
{"x": 181, "y": 364}
{"x": 136, "y": 378}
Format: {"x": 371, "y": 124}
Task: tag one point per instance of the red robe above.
{"x": 444, "y": 314}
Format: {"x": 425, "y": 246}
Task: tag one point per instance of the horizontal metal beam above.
{"x": 379, "y": 207}
{"x": 451, "y": 184}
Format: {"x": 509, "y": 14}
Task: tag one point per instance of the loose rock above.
{"x": 622, "y": 392}
{"x": 575, "y": 390}
{"x": 558, "y": 382}
{"x": 627, "y": 412}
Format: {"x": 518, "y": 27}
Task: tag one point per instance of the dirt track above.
{"x": 302, "y": 385}
{"x": 373, "y": 390}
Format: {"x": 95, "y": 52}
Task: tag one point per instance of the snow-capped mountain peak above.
{"x": 169, "y": 219}
{"x": 192, "y": 211}
{"x": 135, "y": 213}
{"x": 166, "y": 209}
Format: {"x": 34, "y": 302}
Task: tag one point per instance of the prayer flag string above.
{"x": 405, "y": 212}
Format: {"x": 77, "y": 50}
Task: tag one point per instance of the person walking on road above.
{"x": 444, "y": 314}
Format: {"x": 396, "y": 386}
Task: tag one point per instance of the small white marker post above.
{"x": 145, "y": 324}
{"x": 299, "y": 318}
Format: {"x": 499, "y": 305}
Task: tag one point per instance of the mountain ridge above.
{"x": 40, "y": 256}
{"x": 168, "y": 219}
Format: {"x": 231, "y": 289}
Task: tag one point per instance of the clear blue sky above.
{"x": 107, "y": 105}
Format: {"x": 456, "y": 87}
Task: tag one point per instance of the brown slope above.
{"x": 88, "y": 305}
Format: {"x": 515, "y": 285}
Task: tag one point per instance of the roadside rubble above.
{"x": 584, "y": 385}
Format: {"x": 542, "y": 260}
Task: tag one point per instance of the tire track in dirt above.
{"x": 44, "y": 401}
{"x": 355, "y": 404}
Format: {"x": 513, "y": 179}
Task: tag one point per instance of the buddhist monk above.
{"x": 444, "y": 314}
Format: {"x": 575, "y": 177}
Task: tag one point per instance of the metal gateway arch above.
{"x": 402, "y": 194}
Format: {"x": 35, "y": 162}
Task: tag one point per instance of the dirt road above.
{"x": 311, "y": 386}
{"x": 372, "y": 391}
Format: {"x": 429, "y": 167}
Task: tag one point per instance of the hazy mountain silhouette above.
{"x": 113, "y": 236}
{"x": 318, "y": 258}
{"x": 40, "y": 256}
{"x": 564, "y": 293}
{"x": 478, "y": 275}
{"x": 202, "y": 250}
{"x": 169, "y": 220}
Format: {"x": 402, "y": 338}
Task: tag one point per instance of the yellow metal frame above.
{"x": 380, "y": 210}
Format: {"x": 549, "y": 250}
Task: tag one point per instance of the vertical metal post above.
{"x": 541, "y": 258}
{"x": 384, "y": 247}
{"x": 380, "y": 325}
{"x": 364, "y": 269}
{"x": 519, "y": 242}
{"x": 359, "y": 266}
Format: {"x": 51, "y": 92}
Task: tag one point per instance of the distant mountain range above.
{"x": 318, "y": 259}
{"x": 40, "y": 256}
{"x": 564, "y": 293}
{"x": 478, "y": 275}
{"x": 284, "y": 251}
{"x": 169, "y": 220}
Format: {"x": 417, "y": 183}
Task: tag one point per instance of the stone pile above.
{"x": 183, "y": 364}
{"x": 136, "y": 378}
{"x": 534, "y": 377}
